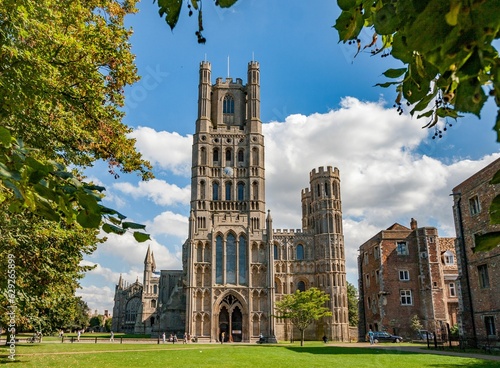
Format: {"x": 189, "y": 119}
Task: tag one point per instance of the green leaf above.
{"x": 89, "y": 220}
{"x": 225, "y": 3}
{"x": 171, "y": 9}
{"x": 452, "y": 16}
{"x": 132, "y": 225}
{"x": 346, "y": 4}
{"x": 395, "y": 73}
{"x": 470, "y": 97}
{"x": 5, "y": 137}
{"x": 141, "y": 237}
{"x": 195, "y": 4}
{"x": 386, "y": 21}
{"x": 425, "y": 114}
{"x": 349, "y": 24}
{"x": 112, "y": 229}
{"x": 486, "y": 242}
{"x": 386, "y": 84}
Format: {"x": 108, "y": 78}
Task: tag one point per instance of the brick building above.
{"x": 479, "y": 272}
{"x": 405, "y": 272}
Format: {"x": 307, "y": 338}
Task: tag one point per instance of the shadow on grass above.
{"x": 335, "y": 350}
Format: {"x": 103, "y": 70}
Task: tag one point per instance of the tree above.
{"x": 352, "y": 304}
{"x": 303, "y": 308}
{"x": 97, "y": 321}
{"x": 445, "y": 46}
{"x": 81, "y": 317}
{"x": 108, "y": 323}
{"x": 63, "y": 69}
{"x": 47, "y": 258}
{"x": 64, "y": 66}
{"x": 416, "y": 325}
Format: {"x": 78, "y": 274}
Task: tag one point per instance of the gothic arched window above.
{"x": 228, "y": 155}
{"x": 242, "y": 260}
{"x": 301, "y": 285}
{"x": 228, "y": 105}
{"x": 216, "y": 155}
{"x": 275, "y": 251}
{"x": 229, "y": 187}
{"x": 300, "y": 252}
{"x": 241, "y": 191}
{"x": 231, "y": 259}
{"x": 219, "y": 253}
{"x": 202, "y": 189}
{"x": 241, "y": 156}
{"x": 215, "y": 191}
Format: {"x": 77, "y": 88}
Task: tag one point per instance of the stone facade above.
{"x": 479, "y": 271}
{"x": 405, "y": 272}
{"x": 235, "y": 265}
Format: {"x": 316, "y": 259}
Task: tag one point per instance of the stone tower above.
{"x": 227, "y": 253}
{"x": 322, "y": 215}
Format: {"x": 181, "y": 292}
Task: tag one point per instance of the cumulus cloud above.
{"x": 386, "y": 172}
{"x": 169, "y": 151}
{"x": 384, "y": 177}
{"x": 124, "y": 253}
{"x": 159, "y": 191}
{"x": 97, "y": 298}
{"x": 169, "y": 223}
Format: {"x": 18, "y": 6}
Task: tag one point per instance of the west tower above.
{"x": 227, "y": 254}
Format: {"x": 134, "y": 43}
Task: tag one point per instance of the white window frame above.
{"x": 452, "y": 290}
{"x": 405, "y": 297}
{"x": 404, "y": 275}
{"x": 474, "y": 205}
{"x": 402, "y": 248}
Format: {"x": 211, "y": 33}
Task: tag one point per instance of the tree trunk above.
{"x": 302, "y": 337}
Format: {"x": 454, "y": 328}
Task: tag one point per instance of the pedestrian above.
{"x": 325, "y": 339}
{"x": 163, "y": 337}
{"x": 112, "y": 337}
{"x": 222, "y": 337}
{"x": 370, "y": 336}
{"x": 184, "y": 338}
{"x": 78, "y": 335}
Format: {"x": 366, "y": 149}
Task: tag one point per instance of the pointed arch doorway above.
{"x": 230, "y": 320}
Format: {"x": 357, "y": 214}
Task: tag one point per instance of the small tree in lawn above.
{"x": 303, "y": 308}
{"x": 415, "y": 323}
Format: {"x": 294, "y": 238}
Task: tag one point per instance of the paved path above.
{"x": 420, "y": 350}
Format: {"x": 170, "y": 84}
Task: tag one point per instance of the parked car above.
{"x": 383, "y": 336}
{"x": 424, "y": 334}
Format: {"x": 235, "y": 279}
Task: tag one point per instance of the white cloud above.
{"x": 169, "y": 223}
{"x": 165, "y": 150}
{"x": 97, "y": 298}
{"x": 159, "y": 191}
{"x": 385, "y": 178}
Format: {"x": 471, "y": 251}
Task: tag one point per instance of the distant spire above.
{"x": 120, "y": 282}
{"x": 153, "y": 262}
{"x": 148, "y": 259}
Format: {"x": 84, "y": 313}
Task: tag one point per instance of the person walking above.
{"x": 112, "y": 337}
{"x": 370, "y": 336}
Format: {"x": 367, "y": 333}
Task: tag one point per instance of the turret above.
{"x": 253, "y": 91}
{"x": 204, "y": 98}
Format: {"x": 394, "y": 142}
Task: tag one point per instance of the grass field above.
{"x": 107, "y": 355}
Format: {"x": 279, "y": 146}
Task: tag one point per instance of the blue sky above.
{"x": 319, "y": 108}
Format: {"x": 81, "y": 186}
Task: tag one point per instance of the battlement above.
{"x": 253, "y": 64}
{"x": 287, "y": 231}
{"x": 228, "y": 81}
{"x": 321, "y": 172}
{"x": 205, "y": 65}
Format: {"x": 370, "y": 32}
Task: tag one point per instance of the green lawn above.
{"x": 227, "y": 356}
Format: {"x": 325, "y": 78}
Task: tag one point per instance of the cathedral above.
{"x": 235, "y": 265}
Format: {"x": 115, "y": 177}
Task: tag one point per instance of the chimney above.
{"x": 413, "y": 224}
